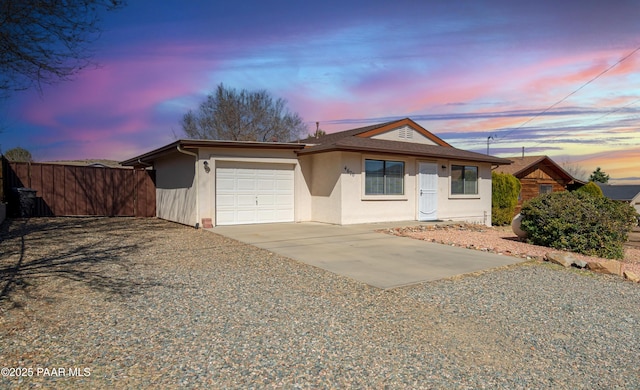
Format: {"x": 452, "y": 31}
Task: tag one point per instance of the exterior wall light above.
{"x": 206, "y": 167}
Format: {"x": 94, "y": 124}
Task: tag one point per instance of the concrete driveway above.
{"x": 357, "y": 251}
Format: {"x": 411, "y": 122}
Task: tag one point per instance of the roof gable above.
{"x": 404, "y": 129}
{"x": 521, "y": 166}
{"x": 377, "y": 131}
{"x": 368, "y": 139}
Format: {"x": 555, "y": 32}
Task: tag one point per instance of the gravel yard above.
{"x": 138, "y": 303}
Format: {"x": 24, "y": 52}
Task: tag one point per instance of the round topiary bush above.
{"x": 579, "y": 222}
{"x": 591, "y": 188}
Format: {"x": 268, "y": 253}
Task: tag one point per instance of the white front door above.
{"x": 428, "y": 192}
{"x": 254, "y": 193}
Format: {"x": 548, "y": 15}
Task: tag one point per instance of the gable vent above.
{"x": 405, "y": 133}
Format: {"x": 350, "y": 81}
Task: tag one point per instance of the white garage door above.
{"x": 254, "y": 193}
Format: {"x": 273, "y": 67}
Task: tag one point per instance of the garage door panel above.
{"x": 280, "y": 215}
{"x": 265, "y": 185}
{"x": 282, "y": 186}
{"x": 246, "y": 184}
{"x": 245, "y": 200}
{"x": 254, "y": 195}
{"x": 266, "y": 201}
{"x": 266, "y": 215}
{"x": 226, "y": 200}
{"x": 225, "y": 215}
{"x": 283, "y": 200}
{"x": 225, "y": 184}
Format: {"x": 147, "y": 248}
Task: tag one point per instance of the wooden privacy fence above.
{"x": 66, "y": 190}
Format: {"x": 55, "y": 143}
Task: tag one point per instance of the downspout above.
{"x": 197, "y": 184}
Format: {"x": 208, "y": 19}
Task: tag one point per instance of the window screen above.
{"x": 384, "y": 177}
{"x": 464, "y": 180}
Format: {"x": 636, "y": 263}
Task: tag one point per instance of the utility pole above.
{"x": 488, "y": 138}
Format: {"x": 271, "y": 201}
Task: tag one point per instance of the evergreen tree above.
{"x": 599, "y": 176}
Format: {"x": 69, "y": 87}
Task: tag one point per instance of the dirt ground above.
{"x": 129, "y": 303}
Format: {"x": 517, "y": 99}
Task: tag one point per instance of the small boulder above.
{"x": 564, "y": 259}
{"x": 631, "y": 276}
{"x": 580, "y": 263}
{"x": 612, "y": 267}
{"x": 515, "y": 226}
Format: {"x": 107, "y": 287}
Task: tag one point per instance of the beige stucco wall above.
{"x": 322, "y": 174}
{"x": 175, "y": 192}
{"x": 360, "y": 208}
{"x": 467, "y": 208}
{"x": 337, "y": 191}
{"x": 329, "y": 187}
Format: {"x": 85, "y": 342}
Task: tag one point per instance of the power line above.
{"x": 592, "y": 121}
{"x": 617, "y": 109}
{"x": 573, "y": 93}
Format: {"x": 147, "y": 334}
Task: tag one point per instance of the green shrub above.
{"x": 591, "y": 188}
{"x": 579, "y": 222}
{"x": 504, "y": 197}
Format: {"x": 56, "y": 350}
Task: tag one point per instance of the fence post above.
{"x": 2, "y": 171}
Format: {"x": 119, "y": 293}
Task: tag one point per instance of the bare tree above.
{"x": 243, "y": 116}
{"x": 575, "y": 170}
{"x": 18, "y": 154}
{"x": 44, "y": 41}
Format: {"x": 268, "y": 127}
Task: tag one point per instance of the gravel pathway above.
{"x": 143, "y": 303}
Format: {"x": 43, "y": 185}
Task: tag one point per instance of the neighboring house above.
{"x": 537, "y": 175}
{"x": 624, "y": 193}
{"x": 392, "y": 171}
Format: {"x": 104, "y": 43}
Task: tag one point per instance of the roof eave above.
{"x": 336, "y": 148}
{"x": 148, "y": 157}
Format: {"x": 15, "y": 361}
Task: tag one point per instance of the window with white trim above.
{"x": 464, "y": 180}
{"x": 383, "y": 177}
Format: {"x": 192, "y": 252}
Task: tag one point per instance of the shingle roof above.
{"x": 148, "y": 157}
{"x": 350, "y": 140}
{"x": 521, "y": 164}
{"x": 329, "y": 138}
{"x": 359, "y": 144}
{"x": 625, "y": 192}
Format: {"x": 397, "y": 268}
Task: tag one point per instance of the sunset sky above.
{"x": 465, "y": 70}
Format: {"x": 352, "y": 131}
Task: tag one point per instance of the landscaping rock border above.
{"x": 610, "y": 267}
{"x": 483, "y": 238}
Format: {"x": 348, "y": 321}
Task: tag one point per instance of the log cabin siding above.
{"x": 534, "y": 172}
{"x": 534, "y": 177}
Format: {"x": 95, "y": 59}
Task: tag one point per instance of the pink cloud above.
{"x": 106, "y": 107}
{"x": 559, "y": 75}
